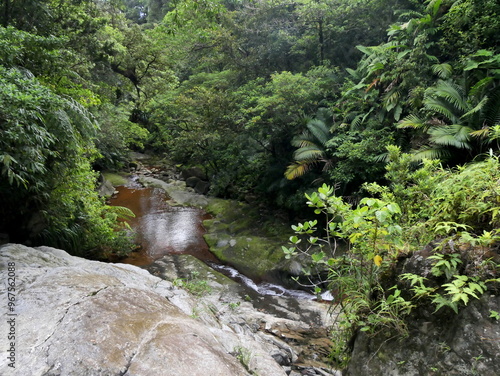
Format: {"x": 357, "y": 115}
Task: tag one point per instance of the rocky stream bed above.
{"x": 188, "y": 314}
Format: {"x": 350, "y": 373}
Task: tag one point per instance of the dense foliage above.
{"x": 449, "y": 216}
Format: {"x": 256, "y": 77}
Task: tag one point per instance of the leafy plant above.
{"x": 193, "y": 284}
{"x": 495, "y": 315}
{"x": 373, "y": 235}
{"x": 445, "y": 264}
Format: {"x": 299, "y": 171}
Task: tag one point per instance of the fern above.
{"x": 444, "y": 70}
{"x": 120, "y": 211}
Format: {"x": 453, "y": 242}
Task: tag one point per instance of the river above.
{"x": 161, "y": 229}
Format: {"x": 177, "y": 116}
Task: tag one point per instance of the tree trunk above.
{"x": 6, "y": 13}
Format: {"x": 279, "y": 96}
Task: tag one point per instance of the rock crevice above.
{"x": 77, "y": 317}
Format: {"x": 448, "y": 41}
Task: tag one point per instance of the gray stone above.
{"x": 79, "y": 317}
{"x": 452, "y": 345}
{"x": 177, "y": 192}
{"x": 192, "y": 181}
{"x": 281, "y": 357}
{"x": 106, "y": 188}
{"x": 202, "y": 187}
{"x": 194, "y": 171}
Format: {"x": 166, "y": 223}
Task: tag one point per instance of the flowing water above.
{"x": 161, "y": 229}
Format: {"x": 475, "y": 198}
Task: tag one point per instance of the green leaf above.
{"x": 318, "y": 257}
{"x": 381, "y": 215}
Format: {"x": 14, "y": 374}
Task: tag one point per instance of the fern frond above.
{"x": 121, "y": 211}
{"x": 412, "y": 121}
{"x": 391, "y": 99}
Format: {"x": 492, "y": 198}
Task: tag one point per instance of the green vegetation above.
{"x": 244, "y": 356}
{"x": 371, "y": 289}
{"x": 193, "y": 284}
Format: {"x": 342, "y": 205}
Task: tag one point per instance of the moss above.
{"x": 114, "y": 178}
{"x": 240, "y": 236}
{"x": 243, "y": 219}
{"x": 253, "y": 255}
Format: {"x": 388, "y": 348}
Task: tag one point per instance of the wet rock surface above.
{"x": 81, "y": 317}
{"x": 295, "y": 331}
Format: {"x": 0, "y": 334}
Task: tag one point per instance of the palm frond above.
{"x": 430, "y": 153}
{"x": 441, "y": 107}
{"x": 412, "y": 121}
{"x": 480, "y": 86}
{"x": 308, "y": 153}
{"x": 443, "y": 70}
{"x": 455, "y": 135}
{"x": 384, "y": 157}
{"x": 481, "y": 133}
{"x": 477, "y": 109}
{"x": 297, "y": 169}
{"x": 492, "y": 109}
{"x": 303, "y": 142}
{"x": 452, "y": 93}
{"x": 303, "y": 139}
{"x": 319, "y": 129}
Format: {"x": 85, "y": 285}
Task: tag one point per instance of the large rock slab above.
{"x": 177, "y": 192}
{"x": 79, "y": 317}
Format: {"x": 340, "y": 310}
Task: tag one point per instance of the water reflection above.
{"x": 160, "y": 228}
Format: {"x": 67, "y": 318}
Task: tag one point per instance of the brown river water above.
{"x": 161, "y": 229}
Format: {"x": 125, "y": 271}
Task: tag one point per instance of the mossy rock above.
{"x": 244, "y": 219}
{"x": 115, "y": 178}
{"x": 254, "y": 256}
{"x": 239, "y": 236}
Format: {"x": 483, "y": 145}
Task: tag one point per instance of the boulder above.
{"x": 79, "y": 317}
{"x": 202, "y": 187}
{"x": 466, "y": 344}
{"x": 106, "y": 188}
{"x": 439, "y": 343}
{"x": 195, "y": 172}
{"x": 177, "y": 192}
{"x": 192, "y": 181}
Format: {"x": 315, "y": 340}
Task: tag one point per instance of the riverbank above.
{"x": 81, "y": 317}
{"x": 235, "y": 233}
{"x": 292, "y": 321}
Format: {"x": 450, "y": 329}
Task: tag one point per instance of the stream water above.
{"x": 162, "y": 229}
